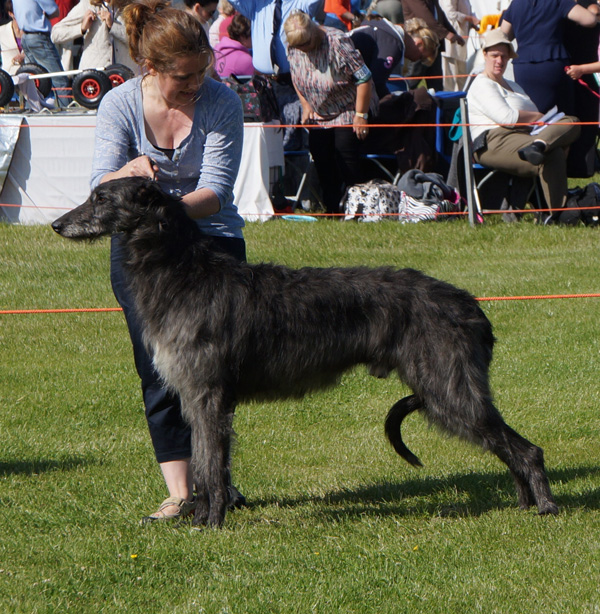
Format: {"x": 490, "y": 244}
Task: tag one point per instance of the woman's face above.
{"x": 420, "y": 45}
{"x": 496, "y": 59}
{"x": 203, "y": 13}
{"x": 179, "y": 86}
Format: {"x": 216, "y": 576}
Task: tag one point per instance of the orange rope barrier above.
{"x": 534, "y": 297}
{"x": 36, "y": 311}
{"x": 537, "y": 297}
{"x": 309, "y": 126}
{"x": 392, "y": 215}
{"x": 413, "y": 125}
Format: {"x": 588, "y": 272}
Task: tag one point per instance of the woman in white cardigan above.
{"x": 103, "y": 32}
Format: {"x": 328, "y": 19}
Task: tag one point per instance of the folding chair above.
{"x": 473, "y": 187}
{"x": 378, "y": 160}
{"x": 397, "y": 83}
{"x": 446, "y": 103}
{"x": 302, "y": 162}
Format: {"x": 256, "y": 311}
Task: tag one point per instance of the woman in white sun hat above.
{"x": 502, "y": 118}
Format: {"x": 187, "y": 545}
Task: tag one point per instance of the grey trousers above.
{"x": 502, "y": 145}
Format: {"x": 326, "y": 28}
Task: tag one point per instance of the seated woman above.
{"x": 233, "y": 55}
{"x": 497, "y": 106}
{"x": 336, "y": 92}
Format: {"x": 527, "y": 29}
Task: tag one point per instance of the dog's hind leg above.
{"x": 212, "y": 429}
{"x": 478, "y": 420}
{"x": 393, "y": 423}
{"x": 525, "y": 462}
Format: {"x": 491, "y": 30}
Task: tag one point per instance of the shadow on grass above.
{"x": 42, "y": 465}
{"x": 454, "y": 496}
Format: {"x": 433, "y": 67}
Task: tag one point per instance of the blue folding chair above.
{"x": 379, "y": 161}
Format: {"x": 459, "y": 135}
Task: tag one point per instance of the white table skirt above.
{"x": 51, "y": 166}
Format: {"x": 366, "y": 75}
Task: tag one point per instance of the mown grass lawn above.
{"x": 337, "y": 522}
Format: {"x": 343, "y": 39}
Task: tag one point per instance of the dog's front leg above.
{"x": 212, "y": 422}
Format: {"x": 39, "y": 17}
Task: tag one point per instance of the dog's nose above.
{"x": 57, "y": 226}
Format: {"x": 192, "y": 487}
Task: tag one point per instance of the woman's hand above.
{"x": 88, "y": 19}
{"x": 360, "y": 127}
{"x": 308, "y": 115}
{"x": 106, "y": 16}
{"x": 529, "y": 117}
{"x": 575, "y": 72}
{"x": 455, "y": 38}
{"x": 142, "y": 166}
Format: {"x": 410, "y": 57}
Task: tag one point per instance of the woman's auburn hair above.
{"x": 158, "y": 34}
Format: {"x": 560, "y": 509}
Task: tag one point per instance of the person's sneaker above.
{"x": 534, "y": 153}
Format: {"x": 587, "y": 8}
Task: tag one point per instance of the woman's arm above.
{"x": 114, "y": 149}
{"x": 360, "y": 125}
{"x": 578, "y": 70}
{"x": 581, "y": 16}
{"x": 73, "y": 25}
{"x": 201, "y": 203}
{"x": 308, "y": 114}
{"x": 507, "y": 28}
{"x": 529, "y": 117}
{"x": 221, "y": 153}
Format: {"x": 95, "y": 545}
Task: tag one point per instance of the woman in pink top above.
{"x": 233, "y": 55}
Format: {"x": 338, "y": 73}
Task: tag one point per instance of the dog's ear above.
{"x": 150, "y": 194}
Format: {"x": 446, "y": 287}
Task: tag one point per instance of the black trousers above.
{"x": 170, "y": 434}
{"x": 337, "y": 162}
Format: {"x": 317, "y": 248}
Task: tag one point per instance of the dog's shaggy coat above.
{"x": 222, "y": 332}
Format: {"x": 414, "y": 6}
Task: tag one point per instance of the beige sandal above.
{"x": 184, "y": 508}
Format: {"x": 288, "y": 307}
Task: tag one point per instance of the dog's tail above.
{"x": 393, "y": 424}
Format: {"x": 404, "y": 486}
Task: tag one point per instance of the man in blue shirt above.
{"x": 268, "y": 58}
{"x": 269, "y": 54}
{"x": 33, "y": 17}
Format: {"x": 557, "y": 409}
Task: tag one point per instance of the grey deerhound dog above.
{"x": 222, "y": 332}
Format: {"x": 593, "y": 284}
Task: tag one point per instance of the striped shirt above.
{"x": 328, "y": 75}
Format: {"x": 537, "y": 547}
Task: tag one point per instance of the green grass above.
{"x": 338, "y": 522}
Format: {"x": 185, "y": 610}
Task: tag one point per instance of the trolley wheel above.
{"x": 44, "y": 86}
{"x": 118, "y": 74}
{"x": 89, "y": 87}
{"x": 7, "y": 88}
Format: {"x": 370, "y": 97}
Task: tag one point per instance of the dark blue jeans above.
{"x": 170, "y": 434}
{"x": 39, "y": 49}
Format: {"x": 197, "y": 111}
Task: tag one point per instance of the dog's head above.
{"x": 115, "y": 206}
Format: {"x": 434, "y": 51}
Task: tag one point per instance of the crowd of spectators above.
{"x": 403, "y": 48}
